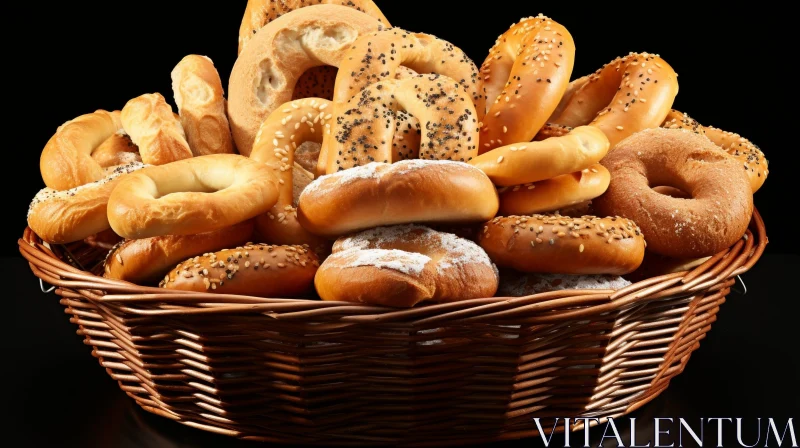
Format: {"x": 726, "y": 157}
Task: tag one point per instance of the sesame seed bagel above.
{"x": 190, "y": 196}
{"x": 66, "y": 161}
{"x": 145, "y": 261}
{"x": 721, "y": 203}
{"x": 280, "y": 135}
{"x": 155, "y": 129}
{"x": 553, "y": 194}
{"x": 626, "y": 95}
{"x": 561, "y": 245}
{"x": 65, "y": 216}
{"x": 198, "y": 93}
{"x": 266, "y": 72}
{"x": 258, "y": 13}
{"x": 522, "y": 163}
{"x": 524, "y": 76}
{"x": 401, "y": 266}
{"x": 742, "y": 149}
{"x": 410, "y": 191}
{"x": 257, "y": 270}
{"x": 367, "y": 126}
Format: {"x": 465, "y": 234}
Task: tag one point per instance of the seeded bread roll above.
{"x": 255, "y": 270}
{"x": 561, "y": 245}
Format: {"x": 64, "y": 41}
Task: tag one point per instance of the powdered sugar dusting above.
{"x": 344, "y": 177}
{"x": 396, "y": 260}
{"x": 516, "y": 284}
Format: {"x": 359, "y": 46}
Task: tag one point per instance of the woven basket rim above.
{"x": 556, "y": 306}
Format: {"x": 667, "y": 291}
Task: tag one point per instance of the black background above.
{"x": 734, "y": 72}
{"x": 75, "y": 57}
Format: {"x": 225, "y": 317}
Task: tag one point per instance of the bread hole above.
{"x": 671, "y": 191}
{"x": 267, "y": 81}
{"x": 316, "y": 82}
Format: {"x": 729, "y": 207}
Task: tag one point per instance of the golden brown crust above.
{"x": 524, "y": 76}
{"x": 740, "y": 148}
{"x": 145, "y": 261}
{"x": 66, "y": 160}
{"x": 401, "y": 266}
{"x": 722, "y": 201}
{"x": 260, "y": 12}
{"x": 265, "y": 74}
{"x": 553, "y": 194}
{"x": 411, "y": 191}
{"x": 628, "y": 94}
{"x": 365, "y": 131}
{"x": 522, "y": 163}
{"x": 65, "y": 216}
{"x": 280, "y": 135}
{"x": 561, "y": 245}
{"x": 153, "y": 127}
{"x": 257, "y": 270}
{"x": 116, "y": 150}
{"x": 191, "y": 196}
{"x": 199, "y": 97}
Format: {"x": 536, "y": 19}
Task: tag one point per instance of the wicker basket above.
{"x": 288, "y": 370}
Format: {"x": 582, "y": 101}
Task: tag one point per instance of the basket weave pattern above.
{"x": 288, "y": 370}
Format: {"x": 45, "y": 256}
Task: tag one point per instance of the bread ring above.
{"x": 409, "y": 191}
{"x": 281, "y": 133}
{"x": 722, "y": 200}
{"x": 742, "y": 149}
{"x": 254, "y": 270}
{"x": 627, "y": 95}
{"x": 65, "y": 216}
{"x": 145, "y": 261}
{"x": 561, "y": 245}
{"x": 66, "y": 160}
{"x": 522, "y": 163}
{"x": 153, "y": 127}
{"x": 199, "y": 97}
{"x": 259, "y": 13}
{"x": 191, "y": 196}
{"x": 524, "y": 77}
{"x": 266, "y": 72}
{"x": 403, "y": 265}
{"x": 366, "y": 127}
{"x": 116, "y": 150}
{"x": 553, "y": 194}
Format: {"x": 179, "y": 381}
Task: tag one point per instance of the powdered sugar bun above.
{"x": 401, "y": 266}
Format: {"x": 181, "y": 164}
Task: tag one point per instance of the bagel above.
{"x": 258, "y": 13}
{"x": 66, "y": 160}
{"x": 280, "y": 135}
{"x": 145, "y": 261}
{"x": 255, "y": 270}
{"x": 190, "y": 196}
{"x": 155, "y": 129}
{"x": 201, "y": 104}
{"x": 522, "y": 163}
{"x": 266, "y": 72}
{"x": 525, "y": 75}
{"x": 401, "y": 266}
{"x": 721, "y": 203}
{"x": 116, "y": 150}
{"x": 366, "y": 129}
{"x": 64, "y": 216}
{"x": 562, "y": 191}
{"x": 410, "y": 191}
{"x": 561, "y": 245}
{"x": 626, "y": 95}
{"x": 740, "y": 148}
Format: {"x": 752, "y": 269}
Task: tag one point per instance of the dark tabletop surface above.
{"x": 747, "y": 367}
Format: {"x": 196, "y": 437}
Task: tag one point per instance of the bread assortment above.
{"x": 354, "y": 161}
